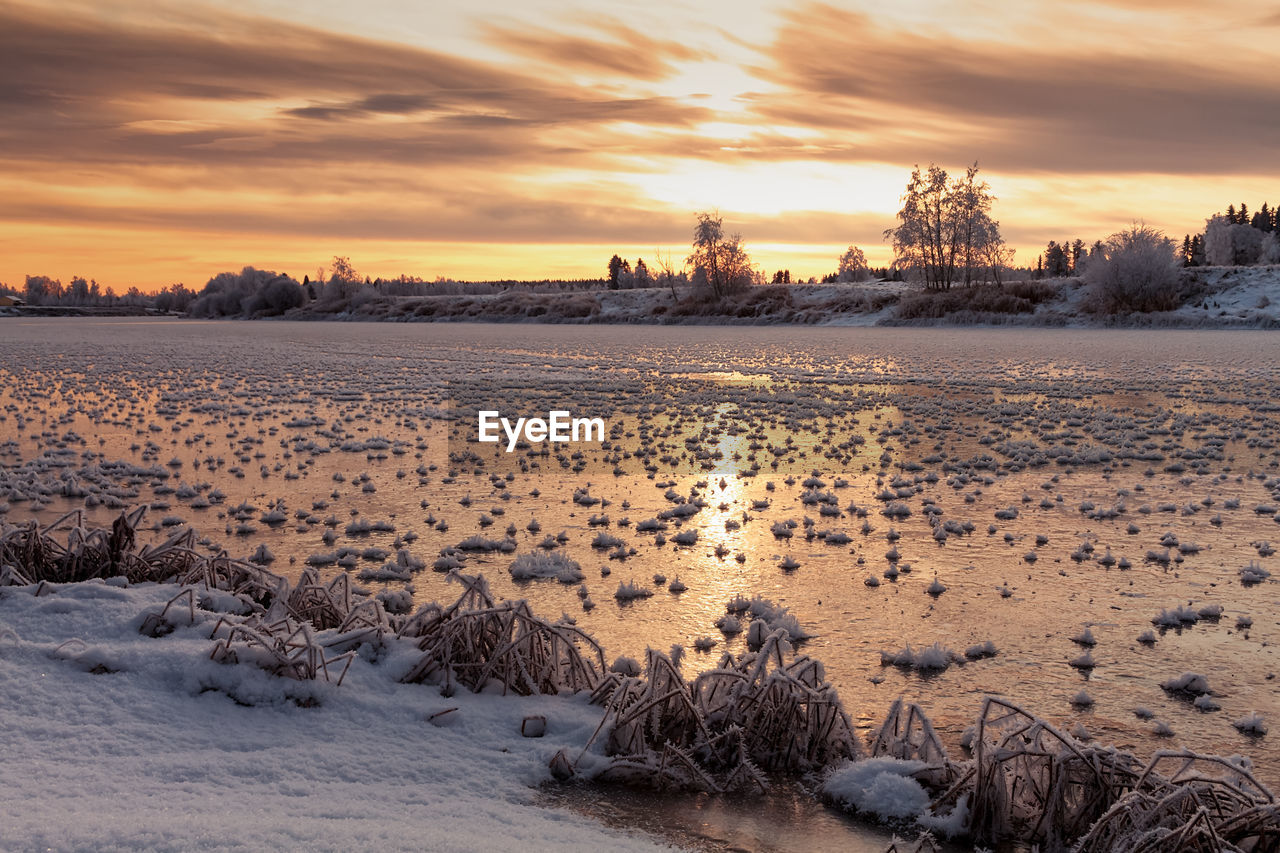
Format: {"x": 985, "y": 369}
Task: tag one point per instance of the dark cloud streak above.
{"x": 76, "y": 88}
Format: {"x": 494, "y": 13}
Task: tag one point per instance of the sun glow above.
{"x": 768, "y": 189}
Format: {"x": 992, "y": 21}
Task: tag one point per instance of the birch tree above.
{"x": 945, "y": 229}
{"x": 719, "y": 262}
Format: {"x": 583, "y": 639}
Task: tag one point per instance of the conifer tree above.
{"x": 1262, "y": 220}
{"x": 615, "y": 269}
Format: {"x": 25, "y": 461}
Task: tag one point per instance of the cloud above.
{"x": 1063, "y": 107}
{"x": 77, "y": 88}
{"x": 163, "y": 120}
{"x": 624, "y": 52}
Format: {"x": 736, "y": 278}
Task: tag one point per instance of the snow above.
{"x": 1251, "y": 725}
{"x": 555, "y": 564}
{"x": 157, "y": 753}
{"x": 883, "y": 787}
{"x": 886, "y": 788}
{"x": 933, "y": 658}
{"x": 770, "y": 617}
{"x": 1191, "y": 683}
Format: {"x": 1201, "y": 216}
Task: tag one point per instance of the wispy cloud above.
{"x": 615, "y": 49}
{"x": 76, "y": 88}
{"x": 1059, "y": 107}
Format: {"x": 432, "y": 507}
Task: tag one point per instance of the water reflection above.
{"x": 789, "y": 820}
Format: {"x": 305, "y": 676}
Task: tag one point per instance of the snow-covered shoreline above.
{"x": 1215, "y": 298}
{"x": 152, "y": 751}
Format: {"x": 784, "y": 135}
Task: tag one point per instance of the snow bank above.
{"x": 153, "y": 752}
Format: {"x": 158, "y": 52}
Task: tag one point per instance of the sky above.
{"x": 150, "y": 142}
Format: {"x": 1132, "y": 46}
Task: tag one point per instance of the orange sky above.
{"x": 150, "y": 142}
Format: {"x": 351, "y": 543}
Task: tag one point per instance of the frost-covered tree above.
{"x": 641, "y": 277}
{"x": 1228, "y": 243}
{"x": 625, "y": 277}
{"x": 853, "y": 266}
{"x": 971, "y": 201}
{"x": 1136, "y": 270}
{"x": 994, "y": 255}
{"x": 341, "y": 268}
{"x": 1270, "y": 253}
{"x": 251, "y": 292}
{"x": 342, "y": 284}
{"x": 943, "y": 227}
{"x": 720, "y": 264}
{"x": 42, "y": 290}
{"x": 176, "y": 297}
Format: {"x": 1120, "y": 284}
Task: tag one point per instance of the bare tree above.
{"x": 718, "y": 261}
{"x": 944, "y": 227}
{"x": 666, "y": 273}
{"x": 971, "y": 201}
{"x": 992, "y": 254}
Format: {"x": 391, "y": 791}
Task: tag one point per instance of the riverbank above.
{"x": 1209, "y": 298}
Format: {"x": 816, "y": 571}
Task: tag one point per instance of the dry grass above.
{"x": 32, "y": 554}
{"x": 908, "y": 735}
{"x": 475, "y": 640}
{"x": 1188, "y": 802}
{"x": 1017, "y": 297}
{"x": 285, "y": 648}
{"x": 1032, "y": 785}
{"x": 751, "y": 713}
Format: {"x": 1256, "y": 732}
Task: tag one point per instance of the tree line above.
{"x": 43, "y": 290}
{"x": 945, "y": 236}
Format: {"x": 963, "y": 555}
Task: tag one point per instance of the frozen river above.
{"x": 1048, "y": 492}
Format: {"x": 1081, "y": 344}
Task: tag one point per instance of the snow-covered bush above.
{"x": 1228, "y": 243}
{"x": 1137, "y": 272}
{"x": 251, "y": 292}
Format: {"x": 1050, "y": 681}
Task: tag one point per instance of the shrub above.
{"x": 249, "y": 292}
{"x": 754, "y": 302}
{"x": 1138, "y": 271}
{"x": 1019, "y": 297}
